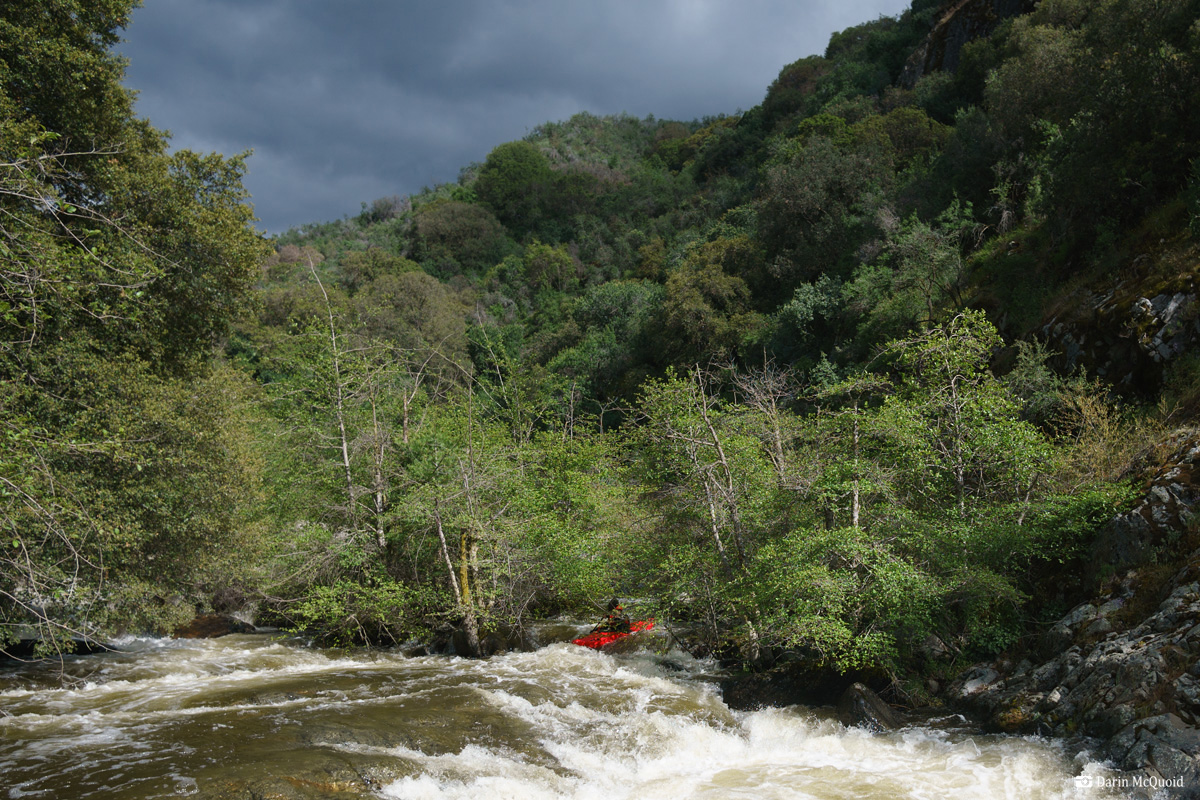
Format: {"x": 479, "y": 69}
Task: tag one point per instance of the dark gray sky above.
{"x": 344, "y": 102}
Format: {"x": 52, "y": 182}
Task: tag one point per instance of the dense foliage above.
{"x": 127, "y": 471}
{"x": 774, "y": 374}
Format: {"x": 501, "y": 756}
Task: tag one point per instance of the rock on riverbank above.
{"x": 1124, "y": 667}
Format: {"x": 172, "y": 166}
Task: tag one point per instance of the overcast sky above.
{"x": 344, "y": 102}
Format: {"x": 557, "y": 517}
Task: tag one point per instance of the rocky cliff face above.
{"x": 1125, "y": 666}
{"x": 1128, "y": 333}
{"x": 960, "y": 22}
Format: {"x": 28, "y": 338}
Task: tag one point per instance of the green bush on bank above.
{"x": 349, "y": 613}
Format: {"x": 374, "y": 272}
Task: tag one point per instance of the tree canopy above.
{"x": 121, "y": 268}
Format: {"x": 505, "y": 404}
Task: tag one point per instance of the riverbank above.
{"x": 1122, "y": 667}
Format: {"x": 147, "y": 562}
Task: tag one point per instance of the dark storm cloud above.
{"x": 346, "y": 102}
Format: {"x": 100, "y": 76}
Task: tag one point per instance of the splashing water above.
{"x": 249, "y": 716}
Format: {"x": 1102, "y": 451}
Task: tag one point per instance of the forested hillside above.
{"x": 811, "y": 380}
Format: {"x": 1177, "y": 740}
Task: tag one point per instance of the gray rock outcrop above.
{"x": 1129, "y": 333}
{"x": 960, "y": 22}
{"x": 1124, "y": 667}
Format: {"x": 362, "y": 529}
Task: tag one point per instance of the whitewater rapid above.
{"x": 247, "y": 716}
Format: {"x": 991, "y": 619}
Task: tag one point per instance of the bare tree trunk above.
{"x": 404, "y": 398}
{"x": 407, "y": 397}
{"x": 468, "y": 547}
{"x": 379, "y": 484}
{"x": 716, "y": 528}
{"x": 437, "y": 518}
{"x": 855, "y": 502}
{"x": 339, "y": 396}
{"x": 764, "y": 389}
{"x": 778, "y": 460}
{"x": 729, "y": 489}
{"x": 468, "y": 551}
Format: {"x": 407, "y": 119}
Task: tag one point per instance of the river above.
{"x": 261, "y": 716}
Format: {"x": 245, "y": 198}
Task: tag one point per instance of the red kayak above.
{"x": 601, "y": 638}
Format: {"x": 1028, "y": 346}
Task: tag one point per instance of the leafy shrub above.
{"x": 844, "y": 595}
{"x": 348, "y": 613}
{"x": 1181, "y": 392}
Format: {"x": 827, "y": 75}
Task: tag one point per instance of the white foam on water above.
{"x": 585, "y": 725}
{"x": 669, "y": 759}
{"x": 165, "y": 681}
{"x": 625, "y": 749}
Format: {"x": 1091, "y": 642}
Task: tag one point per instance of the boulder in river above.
{"x": 860, "y": 707}
{"x": 210, "y": 626}
{"x": 783, "y": 686}
{"x": 502, "y": 639}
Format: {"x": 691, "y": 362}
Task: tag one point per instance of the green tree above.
{"x": 705, "y": 307}
{"x": 513, "y": 182}
{"x": 843, "y": 597}
{"x": 1042, "y": 83}
{"x": 812, "y": 198}
{"x": 361, "y": 267}
{"x": 127, "y": 496}
{"x": 121, "y": 266}
{"x": 548, "y": 267}
{"x": 453, "y": 238}
{"x": 932, "y": 498}
{"x": 792, "y": 91}
{"x": 854, "y": 472}
{"x": 920, "y": 275}
{"x": 715, "y": 483}
{"x": 415, "y": 311}
{"x": 61, "y": 73}
{"x": 910, "y": 133}
{"x": 960, "y": 426}
{"x": 1105, "y": 96}
{"x": 616, "y": 319}
{"x": 688, "y": 442}
{"x": 347, "y": 395}
{"x": 580, "y": 519}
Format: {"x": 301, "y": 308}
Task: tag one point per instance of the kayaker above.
{"x": 617, "y": 621}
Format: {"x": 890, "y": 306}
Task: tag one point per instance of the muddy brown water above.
{"x": 258, "y": 716}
